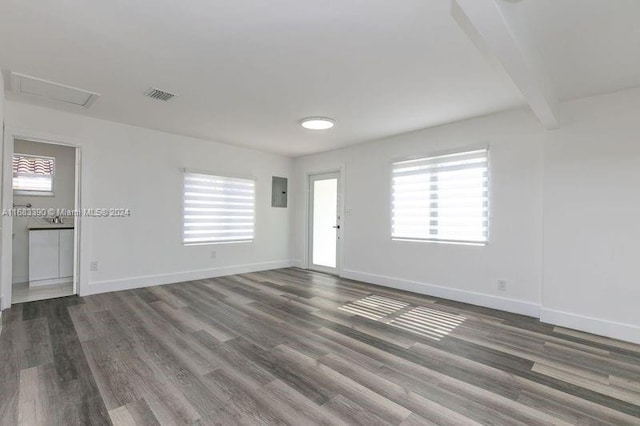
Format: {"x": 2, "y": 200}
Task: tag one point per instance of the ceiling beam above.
{"x": 486, "y": 24}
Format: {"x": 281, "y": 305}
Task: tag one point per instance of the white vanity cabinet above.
{"x": 65, "y": 250}
{"x": 50, "y": 256}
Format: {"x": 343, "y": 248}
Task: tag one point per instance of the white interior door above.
{"x": 324, "y": 222}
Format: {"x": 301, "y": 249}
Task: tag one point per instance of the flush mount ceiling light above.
{"x": 317, "y": 123}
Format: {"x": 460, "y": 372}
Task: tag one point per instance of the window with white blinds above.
{"x": 33, "y": 174}
{"x": 218, "y": 209}
{"x": 442, "y": 198}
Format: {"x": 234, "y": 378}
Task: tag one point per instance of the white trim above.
{"x": 486, "y": 300}
{"x": 81, "y": 234}
{"x": 151, "y": 280}
{"x": 297, "y": 263}
{"x": 31, "y": 193}
{"x": 307, "y": 214}
{"x": 338, "y": 174}
{"x": 209, "y": 243}
{"x": 50, "y": 281}
{"x": 612, "y": 329}
{"x": 436, "y": 241}
{"x": 6, "y": 266}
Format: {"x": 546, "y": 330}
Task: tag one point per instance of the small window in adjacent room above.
{"x": 218, "y": 209}
{"x": 442, "y": 198}
{"x": 33, "y": 174}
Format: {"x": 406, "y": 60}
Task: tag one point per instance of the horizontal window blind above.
{"x": 443, "y": 198}
{"x": 218, "y": 209}
{"x": 33, "y": 173}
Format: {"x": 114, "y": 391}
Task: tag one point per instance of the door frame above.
{"x": 6, "y": 261}
{"x": 309, "y": 220}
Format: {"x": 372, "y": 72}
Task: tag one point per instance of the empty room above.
{"x": 350, "y": 212}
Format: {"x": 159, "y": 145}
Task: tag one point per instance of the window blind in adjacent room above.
{"x": 33, "y": 173}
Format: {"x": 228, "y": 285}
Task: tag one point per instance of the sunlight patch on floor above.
{"x": 374, "y": 307}
{"x": 428, "y": 322}
{"x": 421, "y": 320}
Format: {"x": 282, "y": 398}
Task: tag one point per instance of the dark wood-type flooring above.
{"x": 301, "y": 348}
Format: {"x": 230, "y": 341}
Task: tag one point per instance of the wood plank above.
{"x": 276, "y": 347}
{"x": 121, "y": 417}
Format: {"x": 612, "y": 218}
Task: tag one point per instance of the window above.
{"x": 32, "y": 174}
{"x": 218, "y": 209}
{"x": 443, "y": 198}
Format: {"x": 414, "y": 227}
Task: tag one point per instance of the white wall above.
{"x": 572, "y": 194}
{"x": 590, "y": 169}
{"x": 63, "y": 198}
{"x": 592, "y": 217}
{"x": 468, "y": 273}
{"x": 140, "y": 169}
{"x": 4, "y": 276}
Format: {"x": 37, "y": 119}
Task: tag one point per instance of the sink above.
{"x": 41, "y": 223}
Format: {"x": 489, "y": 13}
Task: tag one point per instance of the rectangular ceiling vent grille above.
{"x": 48, "y": 90}
{"x": 160, "y": 95}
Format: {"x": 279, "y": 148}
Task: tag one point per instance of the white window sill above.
{"x": 209, "y": 243}
{"x": 26, "y": 193}
{"x": 450, "y": 242}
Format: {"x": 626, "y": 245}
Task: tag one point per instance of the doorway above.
{"x": 324, "y": 222}
{"x": 40, "y": 187}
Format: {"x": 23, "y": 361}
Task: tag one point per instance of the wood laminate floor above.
{"x": 297, "y": 347}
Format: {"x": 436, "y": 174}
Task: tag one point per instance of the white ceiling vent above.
{"x": 161, "y": 95}
{"x": 37, "y": 87}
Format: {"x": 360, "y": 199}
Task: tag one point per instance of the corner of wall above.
{"x": 611, "y": 329}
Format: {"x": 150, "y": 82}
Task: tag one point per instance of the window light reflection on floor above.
{"x": 374, "y": 307}
{"x": 428, "y": 322}
{"x": 421, "y": 320}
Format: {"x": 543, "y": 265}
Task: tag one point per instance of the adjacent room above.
{"x": 417, "y": 212}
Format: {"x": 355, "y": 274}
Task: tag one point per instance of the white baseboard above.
{"x": 19, "y": 279}
{"x": 486, "y": 300}
{"x": 298, "y": 264}
{"x": 201, "y": 274}
{"x": 615, "y": 330}
{"x": 50, "y": 281}
{"x": 627, "y": 332}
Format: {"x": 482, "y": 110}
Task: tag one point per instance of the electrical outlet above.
{"x": 94, "y": 266}
{"x": 502, "y": 285}
{"x": 213, "y": 254}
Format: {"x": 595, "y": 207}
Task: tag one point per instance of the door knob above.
{"x": 337, "y": 226}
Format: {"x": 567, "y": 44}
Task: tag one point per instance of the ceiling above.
{"x": 588, "y": 47}
{"x": 247, "y": 71}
